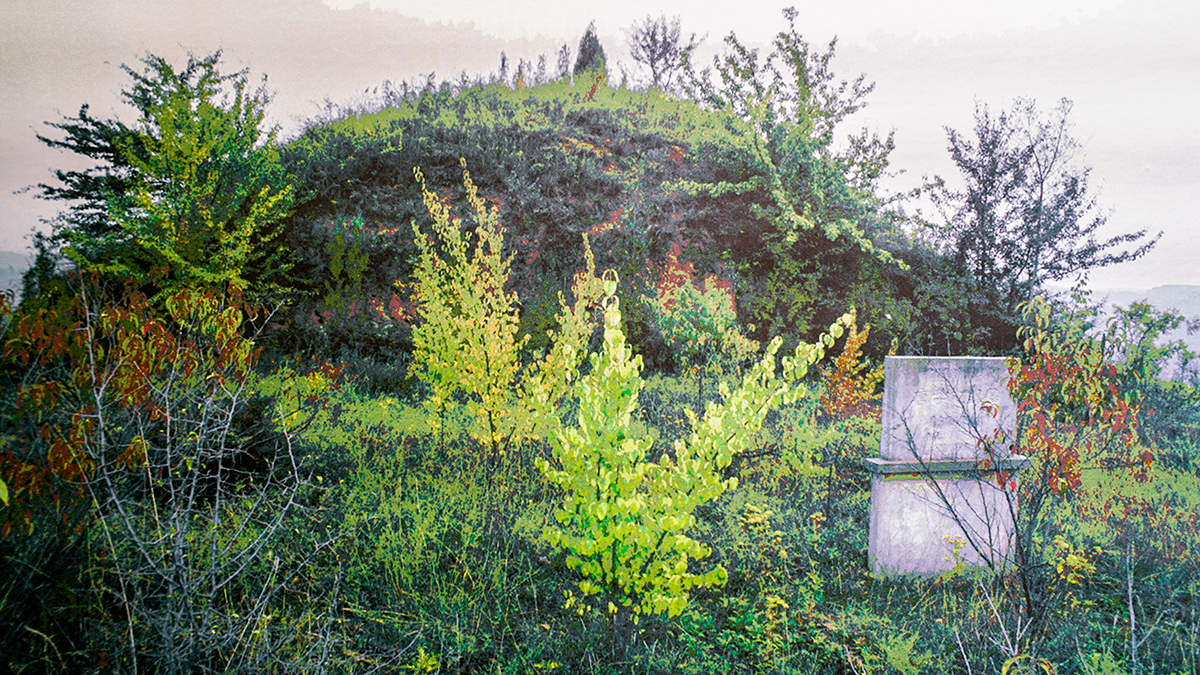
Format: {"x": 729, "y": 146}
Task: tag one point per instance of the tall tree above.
{"x": 814, "y": 210}
{"x": 1024, "y": 216}
{"x": 591, "y": 54}
{"x": 657, "y": 44}
{"x": 191, "y": 189}
{"x": 564, "y": 61}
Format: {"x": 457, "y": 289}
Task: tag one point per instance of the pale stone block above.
{"x": 913, "y": 531}
{"x": 932, "y": 406}
{"x": 931, "y": 491}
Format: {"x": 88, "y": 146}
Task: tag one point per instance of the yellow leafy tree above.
{"x": 466, "y": 344}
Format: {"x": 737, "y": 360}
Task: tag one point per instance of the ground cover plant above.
{"x": 522, "y": 400}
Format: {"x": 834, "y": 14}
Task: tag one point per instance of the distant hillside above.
{"x": 1181, "y": 298}
{"x": 12, "y": 266}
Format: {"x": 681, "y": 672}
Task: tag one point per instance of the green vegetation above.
{"x": 192, "y": 190}
{"x": 529, "y": 375}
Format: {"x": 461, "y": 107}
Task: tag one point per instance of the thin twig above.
{"x": 963, "y": 651}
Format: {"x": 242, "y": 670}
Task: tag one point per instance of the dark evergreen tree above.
{"x": 591, "y": 54}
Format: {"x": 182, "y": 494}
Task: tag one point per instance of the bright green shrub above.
{"x": 624, "y": 520}
{"x": 466, "y": 345}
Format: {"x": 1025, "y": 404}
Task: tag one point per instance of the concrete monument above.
{"x": 945, "y": 487}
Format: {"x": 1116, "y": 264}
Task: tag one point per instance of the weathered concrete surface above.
{"x": 913, "y": 531}
{"x": 929, "y": 494}
{"x": 931, "y": 406}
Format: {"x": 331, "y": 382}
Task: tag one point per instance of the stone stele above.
{"x": 945, "y": 487}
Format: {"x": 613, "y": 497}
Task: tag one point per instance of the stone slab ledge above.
{"x": 945, "y": 467}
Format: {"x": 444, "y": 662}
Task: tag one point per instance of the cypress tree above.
{"x": 591, "y": 54}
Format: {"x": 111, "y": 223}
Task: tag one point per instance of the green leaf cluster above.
{"x": 700, "y": 323}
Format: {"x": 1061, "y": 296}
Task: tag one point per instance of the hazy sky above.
{"x": 1132, "y": 68}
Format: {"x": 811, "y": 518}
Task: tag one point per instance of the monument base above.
{"x": 922, "y": 514}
